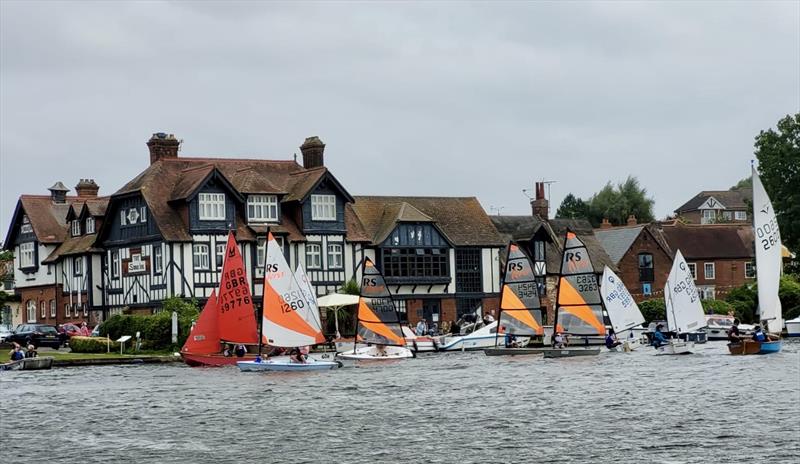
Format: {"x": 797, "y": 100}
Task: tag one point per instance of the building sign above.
{"x": 137, "y": 264}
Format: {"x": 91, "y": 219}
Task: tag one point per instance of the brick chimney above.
{"x": 58, "y": 193}
{"x": 313, "y": 152}
{"x": 605, "y": 224}
{"x": 87, "y": 188}
{"x": 632, "y": 220}
{"x": 163, "y": 146}
{"x": 540, "y": 205}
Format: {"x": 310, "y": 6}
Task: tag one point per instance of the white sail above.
{"x": 684, "y": 311}
{"x": 308, "y": 292}
{"x": 768, "y": 257}
{"x": 622, "y": 310}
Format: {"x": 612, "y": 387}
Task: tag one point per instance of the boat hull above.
{"x": 213, "y": 360}
{"x": 418, "y": 344}
{"x": 371, "y": 353}
{"x": 754, "y": 347}
{"x": 502, "y": 351}
{"x": 286, "y": 364}
{"x": 569, "y": 352}
{"x": 675, "y": 347}
{"x": 793, "y": 328}
{"x": 29, "y": 364}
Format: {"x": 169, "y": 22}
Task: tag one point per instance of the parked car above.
{"x": 38, "y": 334}
{"x": 5, "y": 331}
{"x": 96, "y": 331}
{"x": 70, "y": 330}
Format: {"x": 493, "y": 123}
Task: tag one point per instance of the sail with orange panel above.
{"x": 520, "y": 310}
{"x": 288, "y": 319}
{"x": 377, "y": 321}
{"x": 237, "y": 318}
{"x": 579, "y": 306}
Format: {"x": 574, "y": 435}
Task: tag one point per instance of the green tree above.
{"x": 778, "y": 153}
{"x": 573, "y": 207}
{"x": 746, "y": 183}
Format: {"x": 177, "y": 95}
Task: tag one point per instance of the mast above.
{"x": 500, "y": 308}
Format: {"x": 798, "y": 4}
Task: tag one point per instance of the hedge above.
{"x": 156, "y": 330}
{"x": 79, "y": 344}
{"x": 653, "y": 310}
{"x": 716, "y": 307}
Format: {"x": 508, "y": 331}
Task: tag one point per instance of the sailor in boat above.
{"x": 380, "y": 350}
{"x": 240, "y": 351}
{"x": 734, "y": 336}
{"x": 560, "y": 340}
{"x": 758, "y": 335}
{"x": 658, "y": 337}
{"x": 611, "y": 340}
{"x": 510, "y": 339}
{"x": 299, "y": 354}
{"x": 16, "y": 353}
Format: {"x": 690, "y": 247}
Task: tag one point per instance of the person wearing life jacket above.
{"x": 240, "y": 351}
{"x": 758, "y": 335}
{"x": 510, "y": 339}
{"x": 658, "y": 337}
{"x": 611, "y": 340}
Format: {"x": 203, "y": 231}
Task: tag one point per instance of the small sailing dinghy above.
{"x": 520, "y": 312}
{"x": 227, "y": 317}
{"x": 684, "y": 311}
{"x": 768, "y": 273}
{"x": 579, "y": 307}
{"x": 289, "y": 319}
{"x": 37, "y": 363}
{"x": 377, "y": 322}
{"x": 623, "y": 312}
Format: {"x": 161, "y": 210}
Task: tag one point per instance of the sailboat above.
{"x": 227, "y": 317}
{"x": 520, "y": 312}
{"x": 377, "y": 322}
{"x": 684, "y": 311}
{"x": 579, "y": 307}
{"x": 622, "y": 310}
{"x": 289, "y": 320}
{"x": 768, "y": 272}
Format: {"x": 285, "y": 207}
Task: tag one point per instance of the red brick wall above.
{"x": 729, "y": 274}
{"x": 629, "y": 267}
{"x": 491, "y": 304}
{"x": 41, "y": 293}
{"x": 448, "y": 310}
{"x": 413, "y": 307}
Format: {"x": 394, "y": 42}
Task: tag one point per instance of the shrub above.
{"x": 653, "y": 310}
{"x": 156, "y": 330}
{"x": 91, "y": 344}
{"x": 716, "y": 307}
{"x": 744, "y": 301}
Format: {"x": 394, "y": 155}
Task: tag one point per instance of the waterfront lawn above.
{"x": 64, "y": 355}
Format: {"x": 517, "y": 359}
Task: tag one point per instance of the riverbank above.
{"x": 69, "y": 359}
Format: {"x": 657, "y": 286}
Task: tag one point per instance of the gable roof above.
{"x": 710, "y": 241}
{"x": 618, "y": 240}
{"x": 47, "y": 218}
{"x": 461, "y": 220}
{"x": 730, "y": 199}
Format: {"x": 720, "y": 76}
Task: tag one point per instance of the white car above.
{"x": 5, "y": 331}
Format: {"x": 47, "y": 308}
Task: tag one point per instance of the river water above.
{"x": 450, "y": 408}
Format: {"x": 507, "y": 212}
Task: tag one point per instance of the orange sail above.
{"x": 237, "y": 319}
{"x": 579, "y": 308}
{"x": 520, "y": 311}
{"x": 204, "y": 337}
{"x": 377, "y": 320}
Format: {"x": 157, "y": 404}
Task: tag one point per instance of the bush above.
{"x": 156, "y": 330}
{"x": 653, "y": 310}
{"x": 91, "y": 344}
{"x": 717, "y": 307}
{"x": 744, "y": 301}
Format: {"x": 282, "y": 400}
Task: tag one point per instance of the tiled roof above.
{"x": 617, "y": 240}
{"x": 461, "y": 219}
{"x": 73, "y": 246}
{"x": 734, "y": 199}
{"x": 710, "y": 241}
{"x": 47, "y": 218}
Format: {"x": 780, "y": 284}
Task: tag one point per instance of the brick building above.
{"x": 717, "y": 206}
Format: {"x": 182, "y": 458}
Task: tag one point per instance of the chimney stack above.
{"x": 87, "y": 188}
{"x": 539, "y": 204}
{"x": 58, "y": 193}
{"x": 163, "y": 146}
{"x": 313, "y": 152}
{"x": 605, "y": 224}
{"x": 632, "y": 220}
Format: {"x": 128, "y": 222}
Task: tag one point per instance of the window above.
{"x": 749, "y": 270}
{"x": 200, "y": 255}
{"x": 538, "y": 250}
{"x": 402, "y": 309}
{"x": 261, "y": 252}
{"x": 647, "y": 288}
{"x": 262, "y": 208}
{"x": 415, "y": 262}
{"x": 115, "y": 264}
{"x": 133, "y": 216}
{"x": 709, "y": 271}
{"x": 646, "y": 272}
{"x": 26, "y": 255}
{"x": 706, "y": 292}
{"x": 85, "y": 308}
{"x": 468, "y": 270}
{"x": 334, "y": 256}
{"x": 220, "y": 254}
{"x": 77, "y": 266}
{"x": 727, "y": 215}
{"x": 143, "y": 214}
{"x": 741, "y": 215}
{"x": 43, "y": 308}
{"x": 89, "y": 225}
{"x": 212, "y": 206}
{"x": 76, "y": 228}
{"x": 323, "y": 207}
{"x": 52, "y": 308}
{"x": 67, "y": 312}
{"x": 313, "y": 256}
{"x": 709, "y": 216}
{"x": 158, "y": 262}
{"x": 693, "y": 270}
{"x": 30, "y": 306}
{"x": 122, "y": 214}
{"x": 26, "y": 227}
{"x": 468, "y": 305}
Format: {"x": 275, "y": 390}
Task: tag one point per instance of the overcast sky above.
{"x": 463, "y": 99}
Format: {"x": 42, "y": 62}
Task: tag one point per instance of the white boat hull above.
{"x": 793, "y": 327}
{"x": 286, "y": 364}
{"x": 420, "y": 344}
{"x": 371, "y": 353}
{"x": 675, "y": 347}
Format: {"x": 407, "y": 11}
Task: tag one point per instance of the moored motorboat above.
{"x": 718, "y": 325}
{"x": 29, "y": 364}
{"x": 475, "y": 337}
{"x": 793, "y": 327}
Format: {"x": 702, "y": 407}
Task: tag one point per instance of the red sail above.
{"x": 204, "y": 337}
{"x": 237, "y": 319}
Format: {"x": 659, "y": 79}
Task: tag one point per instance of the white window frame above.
{"x": 123, "y": 217}
{"x": 67, "y": 310}
{"x": 262, "y": 208}
{"x": 200, "y": 257}
{"x": 211, "y": 206}
{"x": 53, "y": 308}
{"x": 727, "y": 215}
{"x": 713, "y": 274}
{"x": 26, "y": 254}
{"x": 693, "y": 270}
{"x": 115, "y": 264}
{"x": 313, "y": 256}
{"x": 85, "y": 308}
{"x": 707, "y": 292}
{"x": 30, "y": 308}
{"x": 158, "y": 259}
{"x": 76, "y": 227}
{"x": 89, "y": 225}
{"x": 706, "y": 218}
{"x": 26, "y": 227}
{"x": 335, "y": 256}
{"x": 77, "y": 266}
{"x": 752, "y": 273}
{"x": 43, "y": 309}
{"x": 220, "y": 254}
{"x": 143, "y": 214}
{"x": 740, "y": 215}
{"x": 323, "y": 207}
{"x": 261, "y": 252}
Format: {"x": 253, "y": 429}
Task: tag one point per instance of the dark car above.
{"x": 38, "y": 334}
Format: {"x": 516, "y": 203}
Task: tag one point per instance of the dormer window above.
{"x": 323, "y": 207}
{"x": 262, "y": 208}
{"x": 212, "y": 206}
{"x": 89, "y": 225}
{"x": 76, "y": 228}
{"x": 26, "y": 227}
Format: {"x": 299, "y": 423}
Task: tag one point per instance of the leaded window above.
{"x": 468, "y": 305}
{"x": 76, "y": 228}
{"x": 415, "y": 262}
{"x": 115, "y": 264}
{"x": 211, "y": 206}
{"x": 469, "y": 278}
{"x": 158, "y": 261}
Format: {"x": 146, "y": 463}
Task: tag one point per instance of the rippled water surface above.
{"x": 459, "y": 407}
